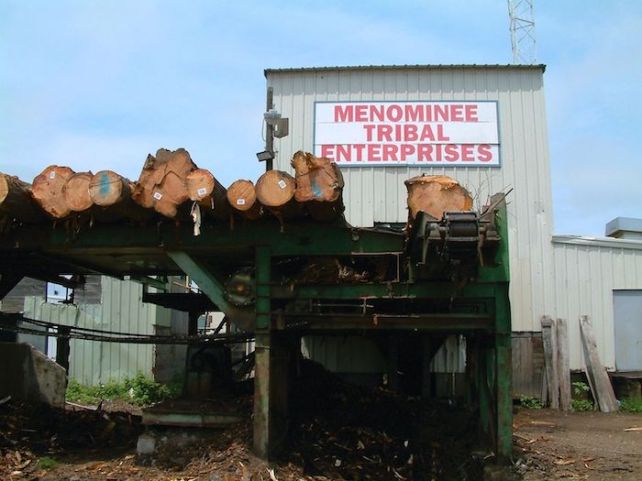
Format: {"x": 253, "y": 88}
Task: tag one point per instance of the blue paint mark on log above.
{"x": 104, "y": 184}
{"x": 316, "y": 190}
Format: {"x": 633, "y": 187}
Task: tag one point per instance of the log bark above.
{"x": 319, "y": 184}
{"x": 241, "y": 196}
{"x": 275, "y": 190}
{"x": 47, "y": 190}
{"x": 202, "y": 187}
{"x": 76, "y": 192}
{"x": 436, "y": 194}
{"x": 112, "y": 196}
{"x": 16, "y": 201}
{"x": 161, "y": 183}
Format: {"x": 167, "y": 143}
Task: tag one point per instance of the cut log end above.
{"x": 200, "y": 184}
{"x": 162, "y": 181}
{"x": 107, "y": 188}
{"x": 241, "y": 196}
{"x": 275, "y": 188}
{"x": 317, "y": 178}
{"x": 76, "y": 192}
{"x": 47, "y": 190}
{"x": 436, "y": 194}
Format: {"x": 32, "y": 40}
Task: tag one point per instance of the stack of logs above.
{"x": 172, "y": 185}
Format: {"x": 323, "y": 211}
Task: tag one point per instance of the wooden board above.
{"x": 528, "y": 364}
{"x": 595, "y": 371}
{"x": 563, "y": 364}
{"x": 550, "y": 360}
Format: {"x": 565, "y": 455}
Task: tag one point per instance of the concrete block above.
{"x": 29, "y": 375}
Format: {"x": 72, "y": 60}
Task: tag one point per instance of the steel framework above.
{"x": 522, "y": 31}
{"x": 424, "y": 305}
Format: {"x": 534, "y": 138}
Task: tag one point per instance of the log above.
{"x": 47, "y": 190}
{"x": 436, "y": 194}
{"x": 595, "y": 371}
{"x": 275, "y": 190}
{"x": 241, "y": 196}
{"x": 170, "y": 194}
{"x": 319, "y": 184}
{"x": 112, "y": 196}
{"x": 550, "y": 360}
{"x": 76, "y": 192}
{"x": 107, "y": 188}
{"x": 563, "y": 364}
{"x": 16, "y": 201}
{"x": 202, "y": 187}
{"x": 161, "y": 183}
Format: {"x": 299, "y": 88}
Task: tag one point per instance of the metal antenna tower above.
{"x": 522, "y": 31}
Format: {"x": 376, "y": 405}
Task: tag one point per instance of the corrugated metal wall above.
{"x": 121, "y": 310}
{"x": 584, "y": 279}
{"x": 379, "y": 194}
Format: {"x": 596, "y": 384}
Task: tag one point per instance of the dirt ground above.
{"x": 337, "y": 432}
{"x": 585, "y": 446}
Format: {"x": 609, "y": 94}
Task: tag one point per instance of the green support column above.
{"x": 263, "y": 277}
{"x": 261, "y": 427}
{"x": 503, "y": 375}
{"x": 272, "y": 360}
{"x": 263, "y": 347}
{"x": 484, "y": 388}
{"x": 203, "y": 277}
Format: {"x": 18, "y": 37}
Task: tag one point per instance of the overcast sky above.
{"x": 99, "y": 84}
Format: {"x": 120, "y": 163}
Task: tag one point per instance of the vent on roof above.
{"x": 625, "y": 228}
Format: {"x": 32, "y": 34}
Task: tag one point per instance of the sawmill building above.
{"x": 493, "y": 137}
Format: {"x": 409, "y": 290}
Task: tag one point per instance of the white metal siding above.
{"x": 585, "y": 277}
{"x": 122, "y": 310}
{"x": 379, "y": 194}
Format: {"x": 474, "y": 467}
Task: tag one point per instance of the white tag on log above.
{"x": 157, "y": 196}
{"x": 282, "y": 184}
{"x": 202, "y": 191}
{"x": 240, "y": 201}
{"x": 52, "y": 175}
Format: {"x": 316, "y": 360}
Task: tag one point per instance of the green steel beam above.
{"x": 295, "y": 239}
{"x": 204, "y": 278}
{"x": 150, "y": 281}
{"x": 447, "y": 323}
{"x": 403, "y": 290}
{"x": 500, "y": 272}
{"x": 503, "y": 375}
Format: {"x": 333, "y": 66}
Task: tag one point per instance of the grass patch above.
{"x": 47, "y": 463}
{"x": 139, "y": 390}
{"x": 580, "y": 403}
{"x": 529, "y": 402}
{"x": 631, "y": 405}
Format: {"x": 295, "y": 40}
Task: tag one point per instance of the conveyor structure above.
{"x": 439, "y": 277}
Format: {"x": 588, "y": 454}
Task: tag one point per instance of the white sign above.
{"x": 449, "y": 134}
